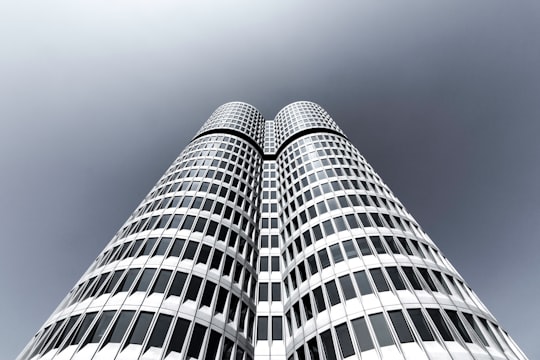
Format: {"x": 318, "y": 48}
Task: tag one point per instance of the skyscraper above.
{"x": 271, "y": 240}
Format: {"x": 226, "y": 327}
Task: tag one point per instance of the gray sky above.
{"x": 98, "y": 97}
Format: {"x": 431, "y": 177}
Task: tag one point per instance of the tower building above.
{"x": 271, "y": 239}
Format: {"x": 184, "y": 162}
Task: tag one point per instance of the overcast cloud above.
{"x": 98, "y": 97}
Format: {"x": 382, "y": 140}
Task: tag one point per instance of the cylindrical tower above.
{"x": 178, "y": 279}
{"x": 271, "y": 240}
{"x": 361, "y": 278}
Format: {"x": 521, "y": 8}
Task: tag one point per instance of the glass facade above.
{"x": 271, "y": 239}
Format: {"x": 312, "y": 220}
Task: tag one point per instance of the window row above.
{"x": 269, "y": 291}
{"x": 335, "y": 225}
{"x": 239, "y": 116}
{"x": 126, "y": 327}
{"x": 187, "y": 222}
{"x": 349, "y": 249}
{"x": 150, "y": 281}
{"x": 106, "y": 283}
{"x": 397, "y": 326}
{"x": 198, "y": 202}
{"x": 271, "y": 241}
{"x": 269, "y": 325}
{"x": 155, "y": 246}
{"x": 392, "y": 278}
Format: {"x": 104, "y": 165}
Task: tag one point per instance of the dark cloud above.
{"x": 98, "y": 98}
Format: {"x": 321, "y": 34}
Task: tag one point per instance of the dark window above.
{"x": 396, "y": 278}
{"x": 438, "y": 320}
{"x": 193, "y": 288}
{"x": 312, "y": 348}
{"x": 332, "y": 291}
{"x": 336, "y": 253}
{"x": 190, "y": 250}
{"x": 114, "y": 281}
{"x": 277, "y": 331}
{"x": 363, "y": 246}
{"x": 476, "y": 328}
{"x": 421, "y": 325}
{"x": 160, "y": 331}
{"x": 323, "y": 257}
{"x": 439, "y": 277}
{"x": 178, "y": 284}
{"x": 363, "y": 282}
{"x": 342, "y": 334}
{"x": 276, "y": 291}
{"x": 196, "y": 341}
{"x": 83, "y": 327}
{"x": 262, "y": 328}
{"x": 392, "y": 244}
{"x": 213, "y": 345}
{"x": 312, "y": 265}
{"x": 227, "y": 349}
{"x": 120, "y": 327}
{"x": 275, "y": 263}
{"x": 263, "y": 292}
{"x": 145, "y": 280}
{"x": 428, "y": 279}
{"x": 347, "y": 286}
{"x": 328, "y": 344}
{"x": 204, "y": 254}
{"x": 162, "y": 246}
{"x": 177, "y": 247}
{"x": 148, "y": 246}
{"x": 459, "y": 325}
{"x": 161, "y": 282}
{"x": 208, "y": 294}
{"x": 65, "y": 332}
{"x": 401, "y": 327}
{"x": 128, "y": 280}
{"x": 381, "y": 330}
{"x": 98, "y": 331}
{"x": 378, "y": 279}
{"x": 140, "y": 329}
{"x": 307, "y": 306}
{"x": 350, "y": 251}
{"x": 319, "y": 299}
{"x": 264, "y": 263}
{"x": 412, "y": 278}
{"x": 362, "y": 334}
{"x": 377, "y": 244}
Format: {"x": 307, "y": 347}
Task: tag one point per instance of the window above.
{"x": 458, "y": 325}
{"x": 363, "y": 282}
{"x": 196, "y": 341}
{"x": 328, "y": 344}
{"x": 438, "y": 320}
{"x": 344, "y": 339}
{"x": 276, "y": 292}
{"x": 396, "y": 278}
{"x": 178, "y": 284}
{"x": 363, "y": 337}
{"x": 378, "y": 279}
{"x": 401, "y": 327}
{"x": 140, "y": 329}
{"x": 277, "y": 331}
{"x": 381, "y": 329}
{"x": 145, "y": 280}
{"x": 332, "y": 291}
{"x": 263, "y": 292}
{"x": 120, "y": 327}
{"x": 421, "y": 325}
{"x": 347, "y": 287}
{"x": 262, "y": 328}
{"x": 160, "y": 331}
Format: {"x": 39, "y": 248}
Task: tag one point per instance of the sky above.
{"x": 98, "y": 97}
